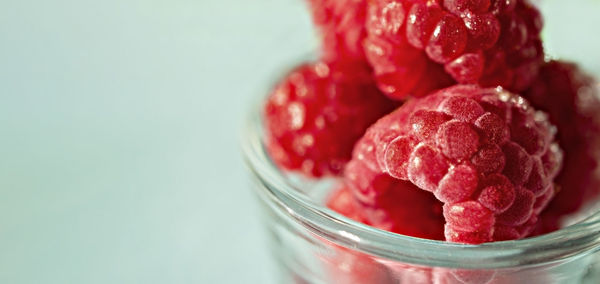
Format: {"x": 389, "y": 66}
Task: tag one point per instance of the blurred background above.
{"x": 120, "y": 126}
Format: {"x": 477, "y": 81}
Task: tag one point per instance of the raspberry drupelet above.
{"x": 571, "y": 99}
{"x": 416, "y": 46}
{"x": 317, "y": 113}
{"x": 484, "y": 153}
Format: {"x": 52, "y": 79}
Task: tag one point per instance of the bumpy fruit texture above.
{"x": 570, "y": 97}
{"x": 317, "y": 113}
{"x": 341, "y": 26}
{"x": 416, "y": 46}
{"x": 484, "y": 153}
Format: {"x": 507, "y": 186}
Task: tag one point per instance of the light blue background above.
{"x": 119, "y": 130}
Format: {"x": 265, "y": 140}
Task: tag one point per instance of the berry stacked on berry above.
{"x": 467, "y": 158}
{"x": 491, "y": 143}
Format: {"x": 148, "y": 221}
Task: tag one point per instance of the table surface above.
{"x": 120, "y": 124}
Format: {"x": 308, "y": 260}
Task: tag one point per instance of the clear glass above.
{"x": 313, "y": 244}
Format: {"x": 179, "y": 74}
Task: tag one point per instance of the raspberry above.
{"x": 317, "y": 113}
{"x": 400, "y": 69}
{"x": 458, "y": 144}
{"x": 571, "y": 99}
{"x": 488, "y": 42}
{"x": 341, "y": 25}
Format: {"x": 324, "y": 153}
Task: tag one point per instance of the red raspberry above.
{"x": 400, "y": 68}
{"x": 489, "y": 42}
{"x": 317, "y": 113}
{"x": 481, "y": 152}
{"x": 341, "y": 24}
{"x": 571, "y": 98}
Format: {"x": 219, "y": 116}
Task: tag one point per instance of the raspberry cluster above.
{"x": 469, "y": 156}
{"x": 487, "y": 142}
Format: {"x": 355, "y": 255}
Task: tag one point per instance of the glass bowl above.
{"x": 313, "y": 244}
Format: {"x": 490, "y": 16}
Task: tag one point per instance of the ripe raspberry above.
{"x": 489, "y": 42}
{"x": 317, "y": 113}
{"x": 571, "y": 98}
{"x": 342, "y": 28}
{"x": 481, "y": 152}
